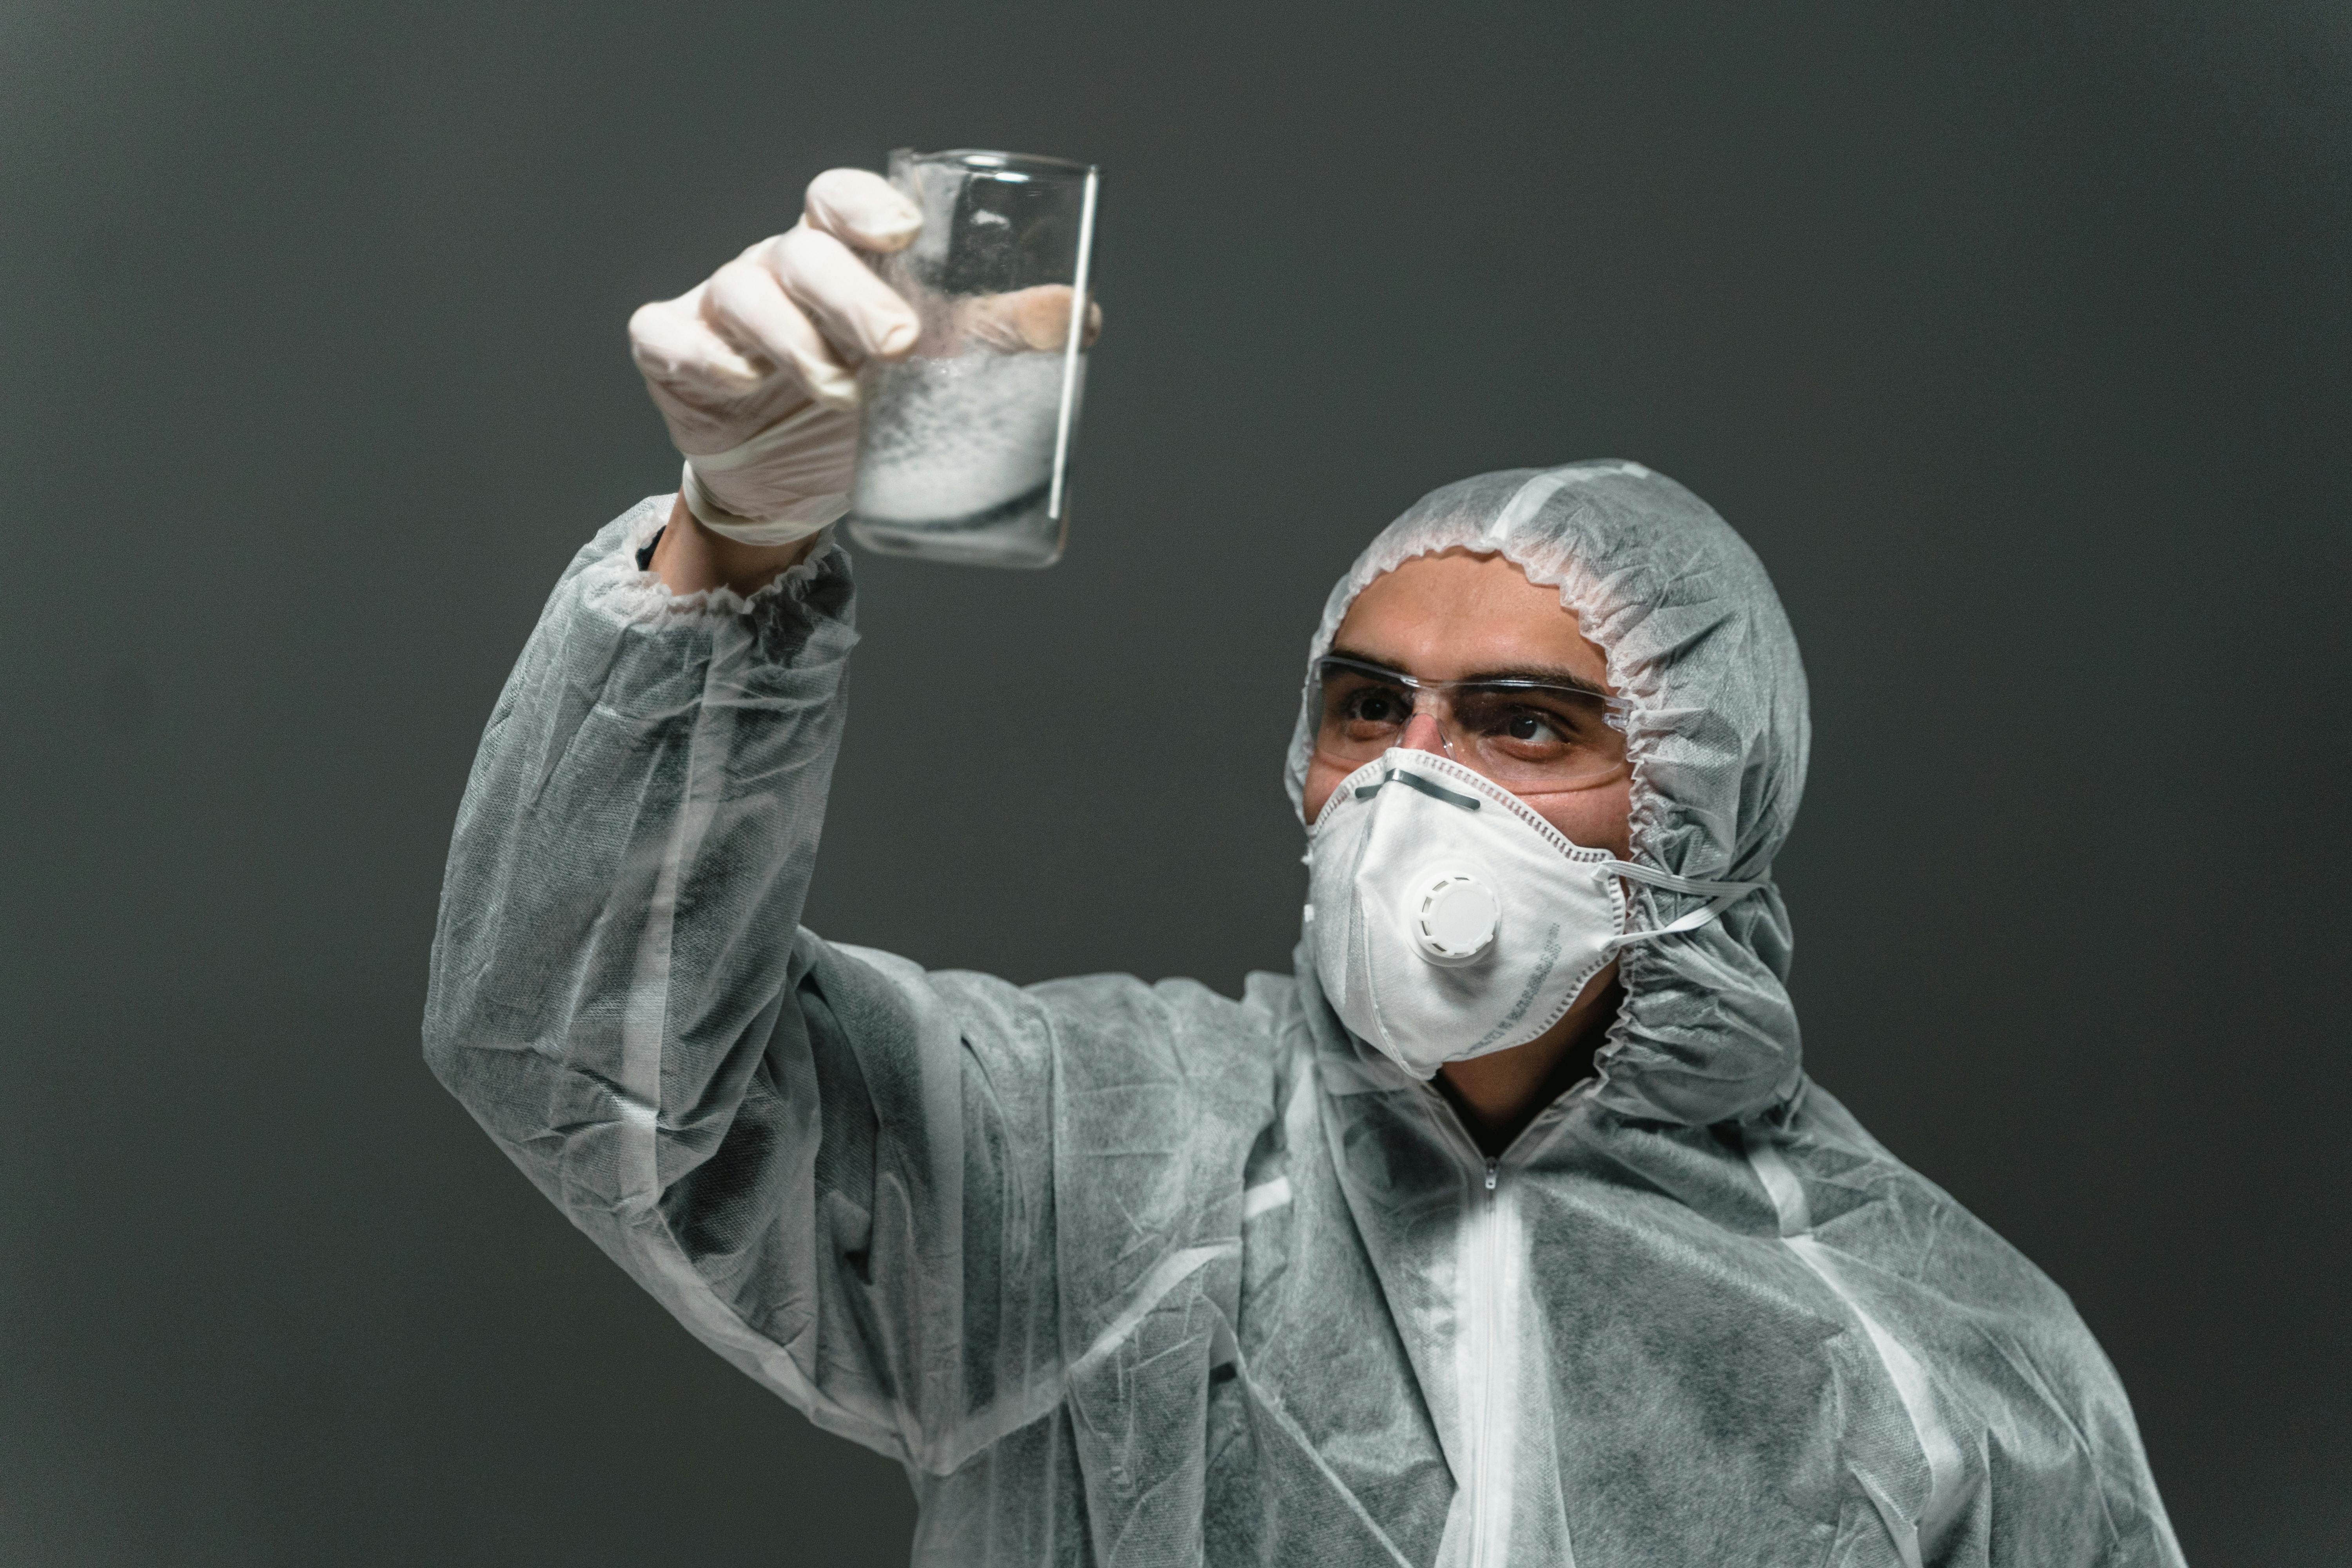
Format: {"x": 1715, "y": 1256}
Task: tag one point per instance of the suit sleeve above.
{"x": 832, "y": 1167}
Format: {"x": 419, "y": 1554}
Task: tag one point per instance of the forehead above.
{"x": 1456, "y": 614}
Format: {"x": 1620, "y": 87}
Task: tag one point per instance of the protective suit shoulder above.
{"x": 1213, "y": 1052}
{"x": 1860, "y": 1197}
{"x": 2042, "y": 1440}
{"x": 1115, "y": 1025}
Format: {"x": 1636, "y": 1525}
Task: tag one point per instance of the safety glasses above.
{"x": 1528, "y": 735}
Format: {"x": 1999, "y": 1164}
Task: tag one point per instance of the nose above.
{"x": 1421, "y": 734}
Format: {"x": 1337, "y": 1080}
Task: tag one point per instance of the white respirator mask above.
{"x": 1450, "y": 919}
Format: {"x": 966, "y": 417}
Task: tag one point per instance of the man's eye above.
{"x": 1530, "y": 724}
{"x": 1533, "y": 728}
{"x": 1376, "y": 706}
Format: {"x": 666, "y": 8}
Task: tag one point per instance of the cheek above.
{"x": 1322, "y": 778}
{"x": 1593, "y": 818}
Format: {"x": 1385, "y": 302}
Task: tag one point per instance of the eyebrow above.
{"x": 1542, "y": 674}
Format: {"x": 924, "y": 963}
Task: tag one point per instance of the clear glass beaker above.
{"x": 964, "y": 447}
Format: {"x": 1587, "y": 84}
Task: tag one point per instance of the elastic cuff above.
{"x": 624, "y": 585}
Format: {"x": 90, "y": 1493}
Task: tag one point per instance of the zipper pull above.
{"x": 1494, "y": 1169}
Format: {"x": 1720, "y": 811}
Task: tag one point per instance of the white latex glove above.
{"x": 755, "y": 369}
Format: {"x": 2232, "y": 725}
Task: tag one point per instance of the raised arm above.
{"x": 835, "y": 1168}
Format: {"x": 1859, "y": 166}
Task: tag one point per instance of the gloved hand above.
{"x": 755, "y": 369}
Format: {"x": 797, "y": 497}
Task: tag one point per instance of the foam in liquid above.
{"x": 961, "y": 444}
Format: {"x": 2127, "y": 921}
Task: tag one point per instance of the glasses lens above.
{"x": 1363, "y": 712}
{"x": 1525, "y": 735}
{"x": 1532, "y": 737}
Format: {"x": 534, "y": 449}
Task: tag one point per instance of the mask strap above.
{"x": 1721, "y": 897}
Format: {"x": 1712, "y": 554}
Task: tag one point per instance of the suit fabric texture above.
{"x": 1131, "y": 1273}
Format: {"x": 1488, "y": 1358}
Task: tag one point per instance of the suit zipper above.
{"x": 1490, "y": 1515}
{"x": 1485, "y": 1528}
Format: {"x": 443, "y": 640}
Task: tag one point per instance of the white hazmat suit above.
{"x": 1131, "y": 1273}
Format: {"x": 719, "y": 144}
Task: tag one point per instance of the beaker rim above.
{"x": 989, "y": 160}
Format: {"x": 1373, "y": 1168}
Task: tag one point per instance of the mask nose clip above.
{"x": 1415, "y": 780}
{"x": 1453, "y": 916}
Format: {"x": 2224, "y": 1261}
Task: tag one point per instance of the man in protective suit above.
{"x": 1506, "y": 1229}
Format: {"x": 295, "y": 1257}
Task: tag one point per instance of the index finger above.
{"x": 861, "y": 208}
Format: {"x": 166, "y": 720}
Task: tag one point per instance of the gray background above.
{"x": 2014, "y": 336}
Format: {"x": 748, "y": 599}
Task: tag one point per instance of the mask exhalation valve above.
{"x": 1455, "y": 917}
